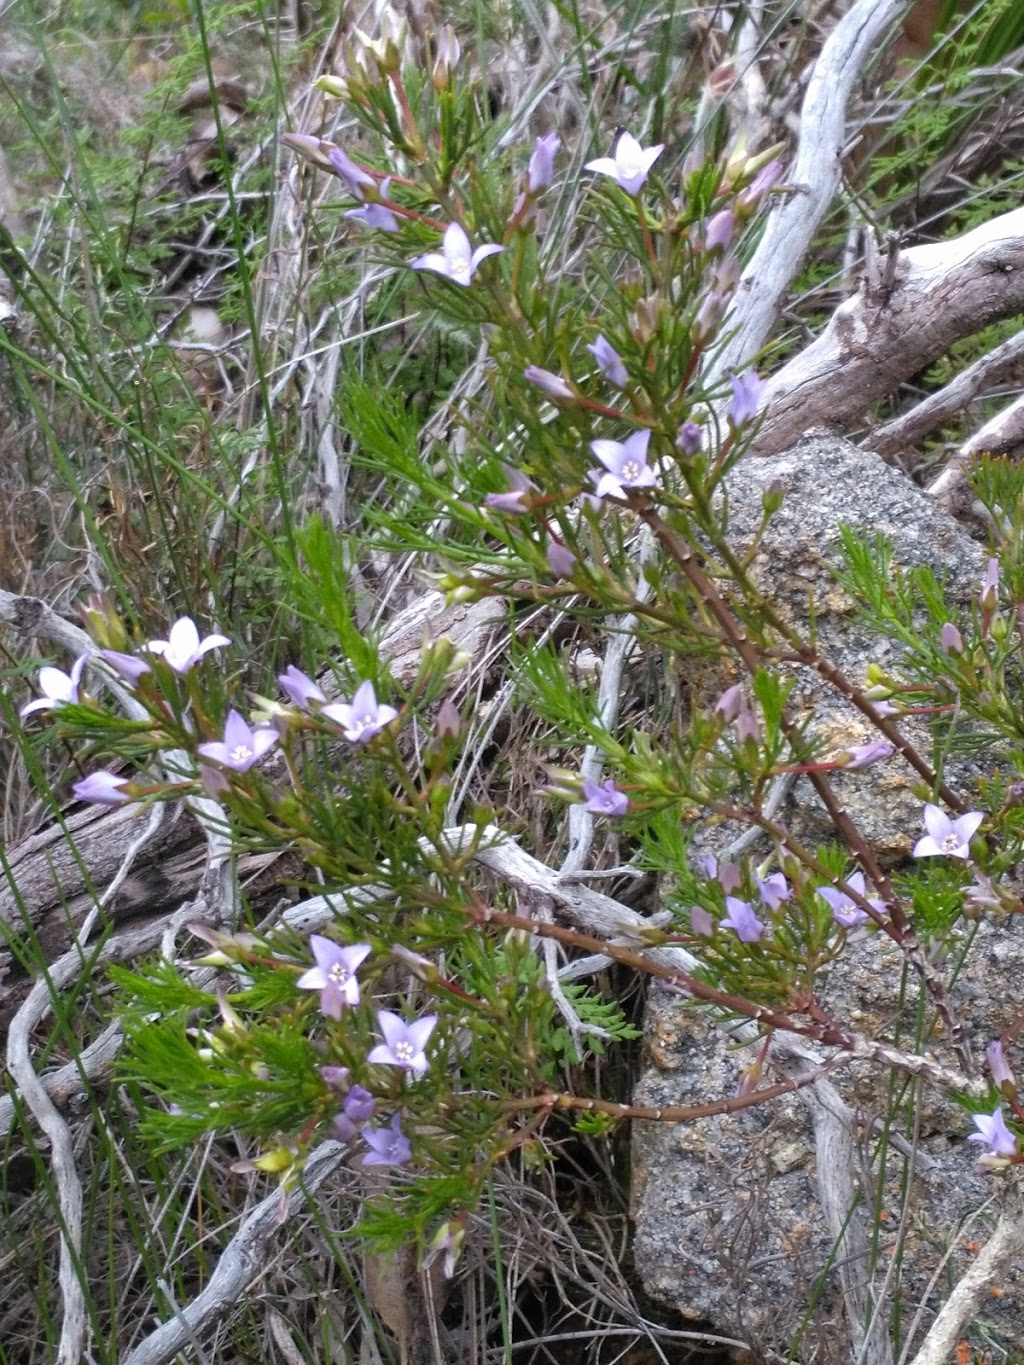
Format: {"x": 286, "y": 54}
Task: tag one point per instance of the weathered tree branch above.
{"x": 943, "y": 292}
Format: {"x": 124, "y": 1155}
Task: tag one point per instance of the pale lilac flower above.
{"x": 773, "y": 889}
{"x": 625, "y": 465}
{"x": 609, "y": 362}
{"x": 548, "y": 382}
{"x": 993, "y": 1132}
{"x": 448, "y": 1240}
{"x": 359, "y": 1104}
{"x": 630, "y": 166}
{"x": 726, "y": 874}
{"x": 767, "y": 177}
{"x": 514, "y": 500}
{"x": 845, "y": 910}
{"x": 335, "y": 1076}
{"x": 747, "y": 389}
{"x": 950, "y": 639}
{"x": 885, "y": 708}
{"x": 747, "y": 726}
{"x": 102, "y": 789}
{"x": 403, "y": 1043}
{"x": 702, "y": 922}
{"x": 388, "y": 1146}
{"x": 690, "y": 438}
{"x": 561, "y": 560}
{"x": 981, "y": 894}
{"x": 183, "y": 646}
{"x": 542, "y": 163}
{"x": 58, "y": 688}
{"x": 313, "y": 149}
{"x": 363, "y": 717}
{"x": 242, "y": 746}
{"x": 128, "y": 666}
{"x": 742, "y": 920}
{"x": 863, "y": 755}
{"x": 299, "y": 688}
{"x": 947, "y": 838}
{"x": 730, "y": 703}
{"x": 334, "y": 975}
{"x": 456, "y": 261}
{"x": 998, "y": 1065}
{"x": 356, "y": 179}
{"x": 604, "y": 798}
{"x": 375, "y": 215}
{"x": 448, "y": 721}
{"x": 718, "y": 230}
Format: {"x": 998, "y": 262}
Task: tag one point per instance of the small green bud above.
{"x": 772, "y": 497}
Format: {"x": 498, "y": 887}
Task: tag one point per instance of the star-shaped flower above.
{"x": 773, "y": 889}
{"x": 742, "y": 920}
{"x": 403, "y": 1043}
{"x": 845, "y": 910}
{"x": 388, "y": 1146}
{"x": 456, "y": 261}
{"x": 363, "y": 717}
{"x": 58, "y": 688}
{"x": 334, "y": 975}
{"x": 993, "y": 1132}
{"x": 631, "y": 164}
{"x": 242, "y": 746}
{"x": 625, "y": 465}
{"x": 947, "y": 838}
{"x": 604, "y": 798}
{"x": 183, "y": 646}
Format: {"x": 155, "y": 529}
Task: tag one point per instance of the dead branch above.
{"x": 943, "y": 292}
{"x": 999, "y": 436}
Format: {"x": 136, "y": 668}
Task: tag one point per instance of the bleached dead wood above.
{"x": 1000, "y": 435}
{"x": 814, "y": 174}
{"x": 876, "y": 341}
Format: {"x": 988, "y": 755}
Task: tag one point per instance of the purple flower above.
{"x": 551, "y": 384}
{"x": 766, "y": 178}
{"x": 357, "y": 181}
{"x": 363, "y": 717}
{"x": 334, "y": 975}
{"x": 718, "y": 230}
{"x": 242, "y": 746}
{"x": 690, "y": 438}
{"x": 990, "y": 586}
{"x": 128, "y": 666}
{"x": 514, "y": 500}
{"x": 456, "y": 261}
{"x": 773, "y": 890}
{"x": 702, "y": 922}
{"x": 299, "y": 688}
{"x": 950, "y": 639}
{"x": 726, "y": 874}
{"x": 183, "y": 646}
{"x": 375, "y": 216}
{"x": 388, "y": 1146}
{"x": 561, "y": 560}
{"x": 336, "y": 1076}
{"x": 741, "y": 918}
{"x": 311, "y": 148}
{"x": 747, "y": 389}
{"x": 863, "y": 755}
{"x": 625, "y": 465}
{"x": 542, "y": 163}
{"x": 403, "y": 1043}
{"x": 993, "y": 1132}
{"x": 604, "y": 798}
{"x": 947, "y": 838}
{"x": 359, "y": 1105}
{"x": 730, "y": 703}
{"x": 630, "y": 165}
{"x": 102, "y": 789}
{"x": 997, "y": 1064}
{"x": 58, "y": 688}
{"x": 845, "y": 911}
{"x": 981, "y": 894}
{"x": 609, "y": 362}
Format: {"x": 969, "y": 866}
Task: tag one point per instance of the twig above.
{"x": 1002, "y": 1250}
{"x": 243, "y": 1259}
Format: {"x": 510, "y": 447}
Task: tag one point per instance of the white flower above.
{"x": 456, "y": 261}
{"x": 183, "y": 646}
{"x": 630, "y": 165}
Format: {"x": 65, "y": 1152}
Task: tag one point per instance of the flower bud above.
{"x": 449, "y": 51}
{"x": 335, "y": 86}
{"x": 950, "y": 639}
{"x": 772, "y": 497}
